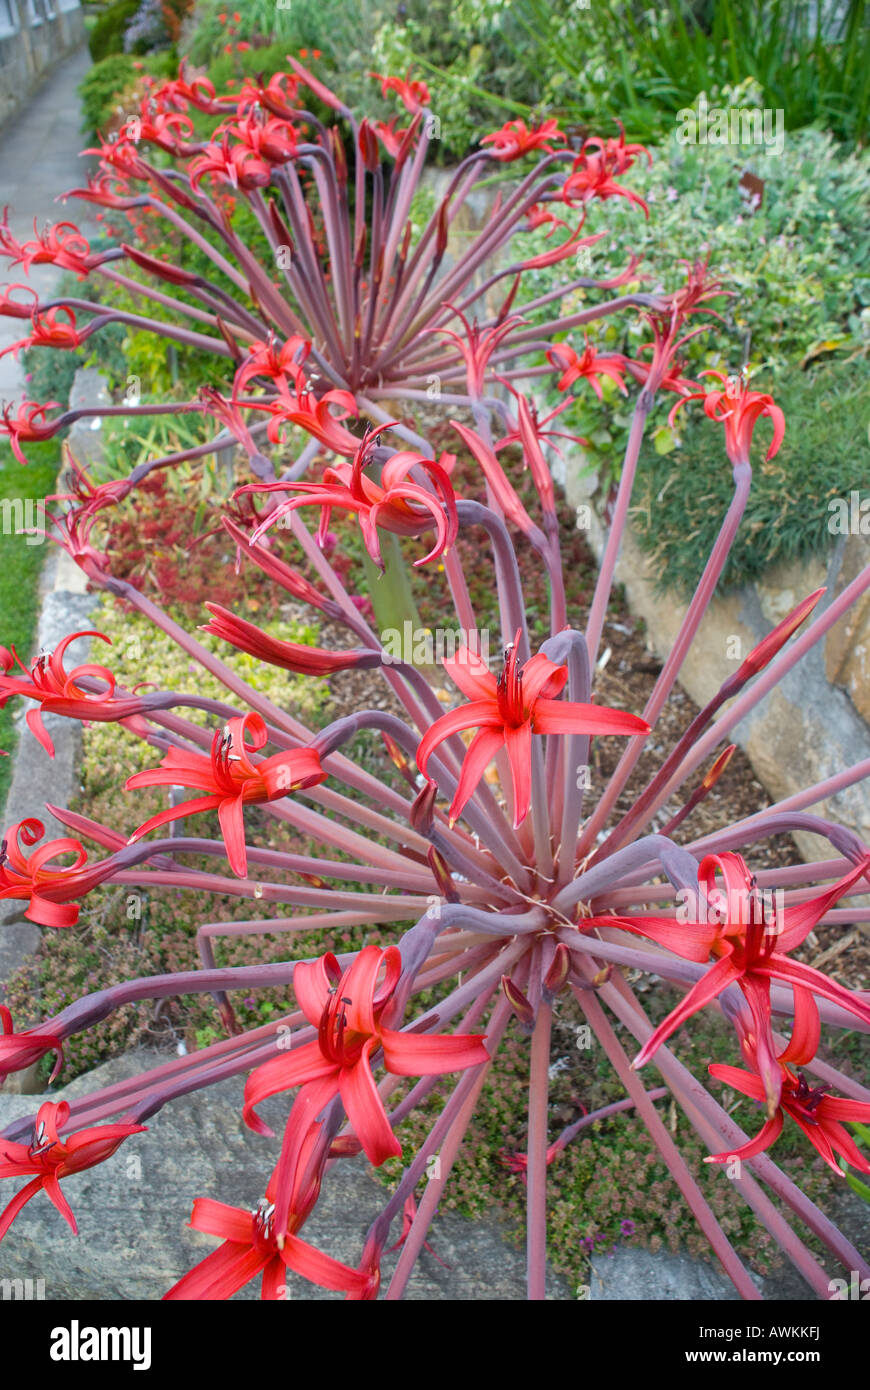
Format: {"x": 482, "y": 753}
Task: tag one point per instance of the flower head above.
{"x": 230, "y": 780}
{"x": 20, "y": 1050}
{"x": 507, "y": 711}
{"x": 516, "y": 139}
{"x": 347, "y": 1008}
{"x": 51, "y": 1158}
{"x": 739, "y": 410}
{"x": 48, "y": 891}
{"x": 399, "y": 505}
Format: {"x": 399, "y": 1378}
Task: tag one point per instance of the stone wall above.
{"x": 816, "y": 722}
{"x": 34, "y": 35}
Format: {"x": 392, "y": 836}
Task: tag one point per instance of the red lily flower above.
{"x": 589, "y": 364}
{"x": 280, "y": 95}
{"x": 50, "y": 331}
{"x": 239, "y": 166}
{"x": 52, "y": 1158}
{"x": 265, "y": 359}
{"x": 73, "y": 534}
{"x": 739, "y": 410}
{"x": 291, "y": 656}
{"x": 62, "y": 245}
{"x": 20, "y": 1050}
{"x": 819, "y": 1115}
{"x": 25, "y": 427}
{"x": 314, "y": 415}
{"x": 230, "y": 416}
{"x": 672, "y": 379}
{"x": 515, "y": 139}
{"x": 49, "y": 891}
{"x": 12, "y": 309}
{"x": 593, "y": 170}
{"x": 178, "y": 92}
{"x": 539, "y": 215}
{"x": 400, "y": 506}
{"x": 529, "y": 432}
{"x": 477, "y": 347}
{"x": 500, "y": 485}
{"x": 506, "y": 712}
{"x": 536, "y": 429}
{"x": 413, "y": 94}
{"x": 391, "y": 139}
{"x": 102, "y": 189}
{"x": 252, "y": 1245}
{"x": 347, "y": 1009}
{"x": 57, "y": 691}
{"x": 169, "y": 130}
{"x": 272, "y": 139}
{"x": 569, "y": 247}
{"x": 231, "y": 781}
{"x": 750, "y": 951}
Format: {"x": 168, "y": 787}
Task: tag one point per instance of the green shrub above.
{"x": 101, "y": 87}
{"x": 107, "y": 35}
{"x": 798, "y": 271}
{"x": 682, "y": 498}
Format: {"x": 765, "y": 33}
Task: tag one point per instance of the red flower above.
{"x": 230, "y": 780}
{"x": 391, "y": 139}
{"x": 50, "y": 331}
{"x": 278, "y": 363}
{"x": 400, "y": 506}
{"x": 477, "y": 347}
{"x": 291, "y": 656}
{"x": 62, "y": 245}
{"x": 347, "y": 1010}
{"x": 49, "y": 891}
{"x": 506, "y": 712}
{"x": 52, "y": 1158}
{"x": 279, "y": 95}
{"x": 594, "y": 167}
{"x": 413, "y": 94}
{"x": 10, "y": 308}
{"x": 515, "y": 139}
{"x": 25, "y": 427}
{"x": 529, "y": 431}
{"x": 251, "y": 1244}
{"x": 314, "y": 415}
{"x": 739, "y": 410}
{"x": 589, "y": 364}
{"x": 272, "y": 139}
{"x": 672, "y": 380}
{"x": 19, "y": 1050}
{"x": 230, "y": 416}
{"x": 240, "y": 166}
{"x": 539, "y": 215}
{"x": 819, "y": 1115}
{"x": 57, "y": 692}
{"x": 750, "y": 950}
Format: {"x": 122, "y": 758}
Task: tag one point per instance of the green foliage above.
{"x": 100, "y": 88}
{"x": 681, "y": 499}
{"x": 107, "y": 35}
{"x": 343, "y": 35}
{"x": 798, "y": 272}
{"x": 642, "y": 65}
{"x": 19, "y": 572}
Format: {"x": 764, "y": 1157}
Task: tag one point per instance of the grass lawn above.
{"x": 20, "y": 567}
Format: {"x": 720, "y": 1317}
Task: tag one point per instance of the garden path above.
{"x": 39, "y": 159}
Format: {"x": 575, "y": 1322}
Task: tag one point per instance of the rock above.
{"x": 639, "y": 1276}
{"x": 810, "y": 726}
{"x": 132, "y": 1210}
